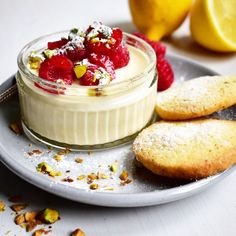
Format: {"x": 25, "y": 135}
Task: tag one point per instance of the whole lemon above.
{"x": 158, "y": 18}
{"x": 213, "y": 23}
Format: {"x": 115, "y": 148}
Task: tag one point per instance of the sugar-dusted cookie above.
{"x": 197, "y": 97}
{"x": 187, "y": 149}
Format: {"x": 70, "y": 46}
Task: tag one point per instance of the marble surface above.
{"x": 212, "y": 212}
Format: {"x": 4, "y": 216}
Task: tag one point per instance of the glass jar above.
{"x": 86, "y": 117}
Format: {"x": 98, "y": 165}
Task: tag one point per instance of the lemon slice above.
{"x": 213, "y": 23}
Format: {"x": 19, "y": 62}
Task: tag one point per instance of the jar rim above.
{"x": 26, "y": 71}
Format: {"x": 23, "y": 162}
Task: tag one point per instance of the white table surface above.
{"x": 212, "y": 212}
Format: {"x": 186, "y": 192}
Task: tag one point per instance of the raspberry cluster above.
{"x": 165, "y": 72}
{"x": 88, "y": 56}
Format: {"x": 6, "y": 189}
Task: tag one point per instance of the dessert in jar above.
{"x": 92, "y": 88}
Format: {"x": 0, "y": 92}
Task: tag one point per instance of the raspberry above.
{"x": 55, "y": 68}
{"x": 57, "y": 44}
{"x": 103, "y": 61}
{"x": 159, "y": 48}
{"x": 101, "y": 44}
{"x": 76, "y": 54}
{"x": 142, "y": 36}
{"x": 120, "y": 56}
{"x": 165, "y": 74}
{"x": 117, "y": 35}
{"x": 88, "y": 77}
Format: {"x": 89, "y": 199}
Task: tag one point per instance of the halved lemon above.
{"x": 213, "y": 24}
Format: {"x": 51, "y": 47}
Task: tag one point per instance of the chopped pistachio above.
{"x": 37, "y": 233}
{"x": 124, "y": 182}
{"x": 44, "y": 168}
{"x": 31, "y": 225}
{"x": 20, "y": 219}
{"x": 80, "y": 70}
{"x": 36, "y": 152}
{"x": 74, "y": 31}
{"x": 23, "y": 225}
{"x": 78, "y": 232}
{"x": 95, "y": 40}
{"x": 114, "y": 167}
{"x": 30, "y": 216}
{"x": 57, "y": 157}
{"x": 49, "y": 147}
{"x": 64, "y": 151}
{"x": 79, "y": 160}
{"x": 95, "y": 92}
{"x": 81, "y": 177}
{"x": 103, "y": 176}
{"x": 49, "y": 53}
{"x": 94, "y": 186}
{"x": 67, "y": 179}
{"x": 109, "y": 188}
{"x": 2, "y": 206}
{"x": 68, "y": 151}
{"x": 92, "y": 176}
{"x": 18, "y": 207}
{"x": 40, "y": 232}
{"x": 124, "y": 175}
{"x": 49, "y": 216}
{"x": 16, "y": 128}
{"x": 35, "y": 60}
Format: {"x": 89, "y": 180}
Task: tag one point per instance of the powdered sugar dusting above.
{"x": 168, "y": 135}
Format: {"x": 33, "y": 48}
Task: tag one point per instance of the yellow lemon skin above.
{"x": 158, "y": 18}
{"x": 212, "y": 24}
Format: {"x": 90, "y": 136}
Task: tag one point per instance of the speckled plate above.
{"x": 16, "y": 152}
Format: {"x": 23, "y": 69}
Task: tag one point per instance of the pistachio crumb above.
{"x": 102, "y": 176}
{"x": 64, "y": 152}
{"x": 124, "y": 175}
{"x": 57, "y": 157}
{"x": 31, "y": 225}
{"x": 92, "y": 177}
{"x": 16, "y": 128}
{"x": 94, "y": 186}
{"x": 40, "y": 232}
{"x": 19, "y": 207}
{"x": 80, "y": 177}
{"x": 109, "y": 188}
{"x": 49, "y": 216}
{"x": 78, "y": 232}
{"x": 124, "y": 182}
{"x": 20, "y": 219}
{"x": 114, "y": 167}
{"x": 30, "y": 216}
{"x": 2, "y": 206}
{"x": 67, "y": 179}
{"x": 44, "y": 168}
{"x": 49, "y": 147}
{"x": 79, "y": 160}
{"x": 36, "y": 152}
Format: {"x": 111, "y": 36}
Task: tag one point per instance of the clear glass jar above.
{"x": 86, "y": 117}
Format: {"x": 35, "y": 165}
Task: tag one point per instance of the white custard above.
{"x": 75, "y": 119}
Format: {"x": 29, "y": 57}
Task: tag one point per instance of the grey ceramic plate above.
{"x": 145, "y": 189}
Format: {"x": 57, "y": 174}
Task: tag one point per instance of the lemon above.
{"x": 158, "y": 18}
{"x": 213, "y": 24}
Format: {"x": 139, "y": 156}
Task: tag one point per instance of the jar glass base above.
{"x": 37, "y": 138}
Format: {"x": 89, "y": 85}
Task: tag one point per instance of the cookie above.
{"x": 187, "y": 149}
{"x": 197, "y": 97}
